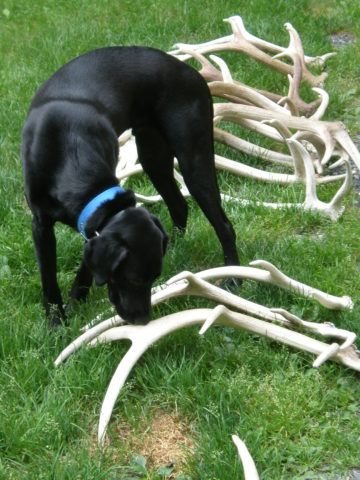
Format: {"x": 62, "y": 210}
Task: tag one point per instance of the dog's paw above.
{"x": 56, "y": 316}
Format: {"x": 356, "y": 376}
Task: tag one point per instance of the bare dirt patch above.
{"x": 163, "y": 440}
{"x": 166, "y": 441}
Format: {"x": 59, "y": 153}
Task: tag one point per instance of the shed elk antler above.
{"x": 222, "y": 84}
{"x": 243, "y": 41}
{"x": 186, "y": 283}
{"x": 330, "y": 137}
{"x": 249, "y": 467}
{"x": 273, "y": 117}
{"x": 304, "y": 172}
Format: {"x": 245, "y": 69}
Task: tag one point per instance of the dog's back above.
{"x": 131, "y": 85}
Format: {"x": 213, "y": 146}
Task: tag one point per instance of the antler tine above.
{"x": 326, "y": 355}
{"x": 343, "y": 138}
{"x": 293, "y": 99}
{"x": 325, "y": 329}
{"x": 212, "y": 318}
{"x": 225, "y": 72}
{"x": 280, "y": 127}
{"x": 275, "y": 276}
{"x": 344, "y": 189}
{"x": 243, "y": 92}
{"x": 181, "y": 47}
{"x": 117, "y": 382}
{"x": 332, "y": 209}
{"x": 87, "y": 337}
{"x": 250, "y": 471}
{"x": 250, "y": 148}
{"x": 243, "y": 170}
{"x": 324, "y": 102}
{"x": 208, "y": 71}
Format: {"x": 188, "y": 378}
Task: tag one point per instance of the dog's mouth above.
{"x": 134, "y": 320}
{"x": 135, "y": 316}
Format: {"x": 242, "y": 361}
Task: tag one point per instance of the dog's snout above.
{"x": 144, "y": 320}
{"x": 133, "y": 307}
{"x": 135, "y": 318}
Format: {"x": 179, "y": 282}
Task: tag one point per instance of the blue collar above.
{"x": 93, "y": 205}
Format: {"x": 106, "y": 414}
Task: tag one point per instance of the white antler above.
{"x": 186, "y": 283}
{"x": 250, "y": 471}
{"x": 331, "y": 134}
{"x": 264, "y": 114}
{"x": 244, "y": 42}
{"x": 142, "y": 337}
{"x": 304, "y": 172}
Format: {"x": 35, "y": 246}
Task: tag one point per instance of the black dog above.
{"x": 70, "y": 152}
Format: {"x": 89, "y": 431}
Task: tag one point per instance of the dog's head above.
{"x": 127, "y": 255}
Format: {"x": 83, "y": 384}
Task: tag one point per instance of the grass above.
{"x": 298, "y": 423}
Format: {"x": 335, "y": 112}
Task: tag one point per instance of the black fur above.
{"x": 70, "y": 152}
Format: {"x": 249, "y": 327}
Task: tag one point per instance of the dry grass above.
{"x": 166, "y": 441}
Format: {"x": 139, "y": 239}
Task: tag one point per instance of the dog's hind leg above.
{"x": 194, "y": 149}
{"x": 45, "y": 249}
{"x": 157, "y": 161}
{"x": 201, "y": 181}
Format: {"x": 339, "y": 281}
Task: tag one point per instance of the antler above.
{"x": 334, "y": 208}
{"x": 142, "y": 337}
{"x": 304, "y": 172}
{"x": 250, "y": 472}
{"x": 263, "y": 113}
{"x": 331, "y": 134}
{"x": 244, "y": 42}
{"x": 187, "y": 283}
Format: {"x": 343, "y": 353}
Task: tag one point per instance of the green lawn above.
{"x": 298, "y": 423}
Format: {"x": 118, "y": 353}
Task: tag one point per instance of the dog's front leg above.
{"x": 45, "y": 248}
{"x": 82, "y": 283}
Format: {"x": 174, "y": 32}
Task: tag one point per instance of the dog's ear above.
{"x": 103, "y": 260}
{"x": 162, "y": 230}
{"x": 122, "y": 254}
{"x": 93, "y": 258}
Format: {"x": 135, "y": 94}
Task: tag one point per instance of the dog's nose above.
{"x": 144, "y": 320}
{"x": 132, "y": 317}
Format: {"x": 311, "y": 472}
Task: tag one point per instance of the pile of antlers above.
{"x": 310, "y": 142}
